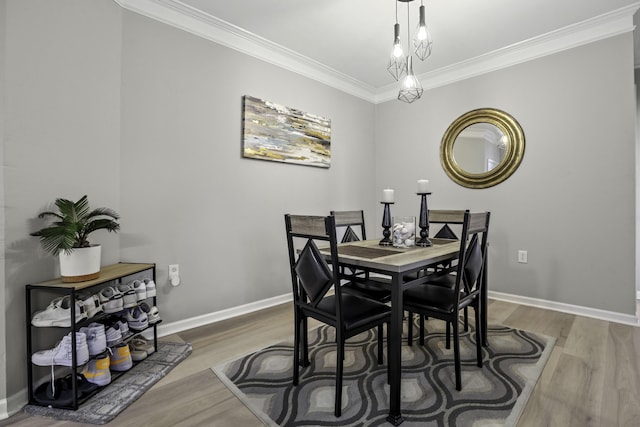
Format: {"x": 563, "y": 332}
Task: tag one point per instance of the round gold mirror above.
{"x": 482, "y": 148}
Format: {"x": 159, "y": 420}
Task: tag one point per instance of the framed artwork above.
{"x": 282, "y": 134}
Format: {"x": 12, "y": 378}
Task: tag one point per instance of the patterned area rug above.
{"x": 105, "y": 405}
{"x": 494, "y": 395}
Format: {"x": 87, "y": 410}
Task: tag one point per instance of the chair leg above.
{"x": 305, "y": 342}
{"x": 388, "y": 364}
{"x": 466, "y": 319}
{"x": 478, "y": 335}
{"x": 296, "y": 349}
{"x": 380, "y": 339}
{"x": 339, "y": 370}
{"x": 456, "y": 351}
{"x": 448, "y": 344}
{"x": 421, "y": 319}
{"x": 410, "y": 328}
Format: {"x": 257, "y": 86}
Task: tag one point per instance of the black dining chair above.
{"x": 433, "y": 300}
{"x": 448, "y": 220}
{"x": 313, "y": 276}
{"x": 359, "y": 282}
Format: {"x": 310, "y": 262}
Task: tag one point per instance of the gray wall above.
{"x": 146, "y": 119}
{"x": 3, "y": 346}
{"x": 570, "y": 204}
{"x": 62, "y": 136}
{"x": 187, "y": 195}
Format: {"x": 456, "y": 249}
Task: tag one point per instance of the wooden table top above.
{"x": 369, "y": 254}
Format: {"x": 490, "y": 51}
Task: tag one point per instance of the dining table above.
{"x": 401, "y": 264}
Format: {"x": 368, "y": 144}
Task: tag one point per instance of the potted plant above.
{"x": 67, "y": 237}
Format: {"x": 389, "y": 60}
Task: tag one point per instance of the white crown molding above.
{"x": 601, "y": 27}
{"x": 194, "y": 21}
{"x": 611, "y": 316}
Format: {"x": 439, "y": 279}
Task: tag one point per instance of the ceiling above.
{"x": 351, "y": 39}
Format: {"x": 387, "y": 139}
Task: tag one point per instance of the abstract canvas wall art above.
{"x": 274, "y": 132}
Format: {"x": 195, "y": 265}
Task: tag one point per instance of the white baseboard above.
{"x": 637, "y": 294}
{"x": 13, "y": 404}
{"x": 205, "y": 319}
{"x": 611, "y": 316}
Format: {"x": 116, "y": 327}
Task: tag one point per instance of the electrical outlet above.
{"x": 522, "y": 256}
{"x": 174, "y": 270}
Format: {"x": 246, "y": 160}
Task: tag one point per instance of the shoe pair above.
{"x": 59, "y": 391}
{"x": 96, "y": 338}
{"x": 153, "y": 314}
{"x": 137, "y": 318}
{"x": 58, "y": 313}
{"x": 62, "y": 353}
{"x": 145, "y": 288}
{"x": 141, "y": 348}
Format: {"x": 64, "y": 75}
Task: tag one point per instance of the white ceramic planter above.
{"x": 80, "y": 265}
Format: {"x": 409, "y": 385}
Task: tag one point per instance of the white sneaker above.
{"x": 58, "y": 313}
{"x": 137, "y": 319}
{"x": 114, "y": 336}
{"x": 121, "y": 358}
{"x": 91, "y": 303}
{"x": 97, "y": 370}
{"x": 62, "y": 354}
{"x": 141, "y": 289}
{"x": 129, "y": 298}
{"x": 153, "y": 314}
{"x": 96, "y": 338}
{"x": 151, "y": 287}
{"x": 111, "y": 300}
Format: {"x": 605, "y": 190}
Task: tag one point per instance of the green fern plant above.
{"x": 73, "y": 222}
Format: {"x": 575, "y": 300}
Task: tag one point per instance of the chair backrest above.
{"x": 350, "y": 220}
{"x": 473, "y": 253}
{"x": 446, "y": 217}
{"x": 312, "y": 276}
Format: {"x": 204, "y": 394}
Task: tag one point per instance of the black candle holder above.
{"x": 424, "y": 222}
{"x": 386, "y": 225}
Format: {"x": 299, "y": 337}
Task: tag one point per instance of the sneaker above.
{"x": 150, "y": 287}
{"x": 137, "y": 319}
{"x": 141, "y": 289}
{"x": 111, "y": 300}
{"x": 140, "y": 344}
{"x": 114, "y": 336}
{"x": 121, "y": 358}
{"x": 153, "y": 314}
{"x": 96, "y": 338}
{"x": 97, "y": 370}
{"x": 129, "y": 296}
{"x": 90, "y": 302}
{"x": 58, "y": 313}
{"x": 123, "y": 326}
{"x": 61, "y": 354}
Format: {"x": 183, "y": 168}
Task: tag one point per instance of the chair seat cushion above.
{"x": 429, "y": 297}
{"x": 443, "y": 280}
{"x": 356, "y": 311}
{"x": 378, "y": 289}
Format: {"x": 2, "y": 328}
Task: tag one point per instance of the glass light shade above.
{"x": 397, "y": 63}
{"x": 422, "y": 42}
{"x": 411, "y": 88}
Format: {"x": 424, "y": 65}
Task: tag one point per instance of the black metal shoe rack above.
{"x": 37, "y": 294}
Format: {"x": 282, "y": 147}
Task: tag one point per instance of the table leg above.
{"x": 394, "y": 351}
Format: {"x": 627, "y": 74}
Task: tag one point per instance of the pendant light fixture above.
{"x": 401, "y": 67}
{"x": 397, "y": 62}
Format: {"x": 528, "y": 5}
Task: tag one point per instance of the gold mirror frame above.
{"x": 512, "y": 158}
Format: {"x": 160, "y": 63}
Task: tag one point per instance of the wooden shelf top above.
{"x": 107, "y": 273}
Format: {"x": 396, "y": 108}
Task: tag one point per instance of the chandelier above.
{"x": 401, "y": 66}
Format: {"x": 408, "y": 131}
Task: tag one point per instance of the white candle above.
{"x": 387, "y": 196}
{"x": 423, "y": 186}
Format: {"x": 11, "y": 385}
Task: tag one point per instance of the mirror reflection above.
{"x": 479, "y": 148}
